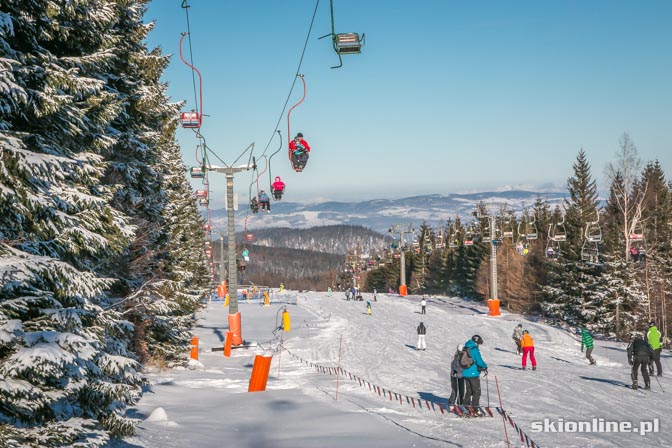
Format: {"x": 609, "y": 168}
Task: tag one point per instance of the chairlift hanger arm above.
{"x": 199, "y": 107}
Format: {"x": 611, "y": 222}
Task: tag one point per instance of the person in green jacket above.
{"x": 654, "y": 338}
{"x": 587, "y": 341}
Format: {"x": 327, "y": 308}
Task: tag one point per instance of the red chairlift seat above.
{"x": 636, "y": 236}
{"x": 249, "y": 237}
{"x": 204, "y": 202}
{"x": 201, "y": 194}
{"x": 190, "y": 120}
{"x": 197, "y": 172}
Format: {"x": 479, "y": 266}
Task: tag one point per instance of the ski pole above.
{"x": 487, "y": 389}
{"x": 659, "y": 385}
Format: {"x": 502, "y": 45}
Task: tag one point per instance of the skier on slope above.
{"x": 639, "y": 354}
{"x": 422, "y": 331}
{"x": 472, "y": 380}
{"x": 528, "y": 347}
{"x": 587, "y": 341}
{"x": 456, "y": 379}
{"x": 653, "y": 336}
{"x": 517, "y": 337}
{"x": 423, "y": 305}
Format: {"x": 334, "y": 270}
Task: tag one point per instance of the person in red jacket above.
{"x": 278, "y": 188}
{"x": 300, "y": 150}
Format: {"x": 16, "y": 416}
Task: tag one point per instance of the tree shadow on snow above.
{"x": 605, "y": 380}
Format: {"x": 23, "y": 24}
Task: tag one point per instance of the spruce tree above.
{"x": 59, "y": 227}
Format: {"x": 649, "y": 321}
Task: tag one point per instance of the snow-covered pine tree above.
{"x": 656, "y": 267}
{"x": 162, "y": 276}
{"x": 573, "y": 290}
{"x": 65, "y": 369}
{"x": 624, "y": 212}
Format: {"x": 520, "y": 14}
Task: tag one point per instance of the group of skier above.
{"x": 465, "y": 374}
{"x": 524, "y": 346}
{"x": 644, "y": 354}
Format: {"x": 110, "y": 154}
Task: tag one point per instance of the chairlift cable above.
{"x": 186, "y": 7}
{"x": 270, "y": 176}
{"x": 298, "y": 70}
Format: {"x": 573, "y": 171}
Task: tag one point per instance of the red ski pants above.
{"x": 529, "y": 350}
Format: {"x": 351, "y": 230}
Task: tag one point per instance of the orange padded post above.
{"x": 260, "y": 369}
{"x": 227, "y": 344}
{"x": 234, "y": 328}
{"x": 220, "y": 292}
{"x": 403, "y": 290}
{"x": 493, "y": 306}
{"x": 224, "y": 288}
{"x": 194, "y": 348}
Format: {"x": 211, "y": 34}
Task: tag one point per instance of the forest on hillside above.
{"x": 602, "y": 264}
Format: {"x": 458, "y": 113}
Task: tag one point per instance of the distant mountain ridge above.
{"x": 380, "y": 214}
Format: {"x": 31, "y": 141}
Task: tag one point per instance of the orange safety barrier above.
{"x": 194, "y": 348}
{"x": 234, "y": 328}
{"x": 227, "y": 344}
{"x": 493, "y": 306}
{"x": 403, "y": 290}
{"x": 260, "y": 369}
{"x": 220, "y": 292}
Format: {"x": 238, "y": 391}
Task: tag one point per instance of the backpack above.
{"x": 466, "y": 360}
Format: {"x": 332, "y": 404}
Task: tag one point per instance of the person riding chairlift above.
{"x": 278, "y": 188}
{"x": 264, "y": 201}
{"x": 254, "y": 205}
{"x": 300, "y": 150}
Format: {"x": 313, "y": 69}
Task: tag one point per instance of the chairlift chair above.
{"x": 507, "y": 226}
{"x": 190, "y": 120}
{"x": 204, "y": 202}
{"x": 201, "y": 194}
{"x": 637, "y": 243}
{"x": 344, "y": 43}
{"x": 197, "y": 172}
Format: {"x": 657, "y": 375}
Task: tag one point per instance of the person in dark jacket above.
{"x": 422, "y": 331}
{"x": 456, "y": 380}
{"x": 472, "y": 380}
{"x": 639, "y": 355}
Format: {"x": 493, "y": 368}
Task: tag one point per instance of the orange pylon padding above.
{"x": 403, "y": 290}
{"x": 260, "y": 369}
{"x": 220, "y": 292}
{"x": 194, "y": 348}
{"x": 234, "y": 328}
{"x": 493, "y": 306}
{"x": 227, "y": 344}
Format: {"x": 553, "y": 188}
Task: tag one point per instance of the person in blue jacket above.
{"x": 471, "y": 374}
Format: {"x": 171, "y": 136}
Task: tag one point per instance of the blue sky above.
{"x": 446, "y": 96}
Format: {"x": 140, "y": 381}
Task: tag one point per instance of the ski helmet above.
{"x": 525, "y": 331}
{"x": 477, "y": 339}
{"x": 652, "y": 324}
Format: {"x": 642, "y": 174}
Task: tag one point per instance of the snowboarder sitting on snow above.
{"x": 456, "y": 379}
{"x": 422, "y": 331}
{"x": 587, "y": 341}
{"x": 471, "y": 374}
{"x": 639, "y": 354}
{"x": 528, "y": 347}
{"x": 517, "y": 337}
